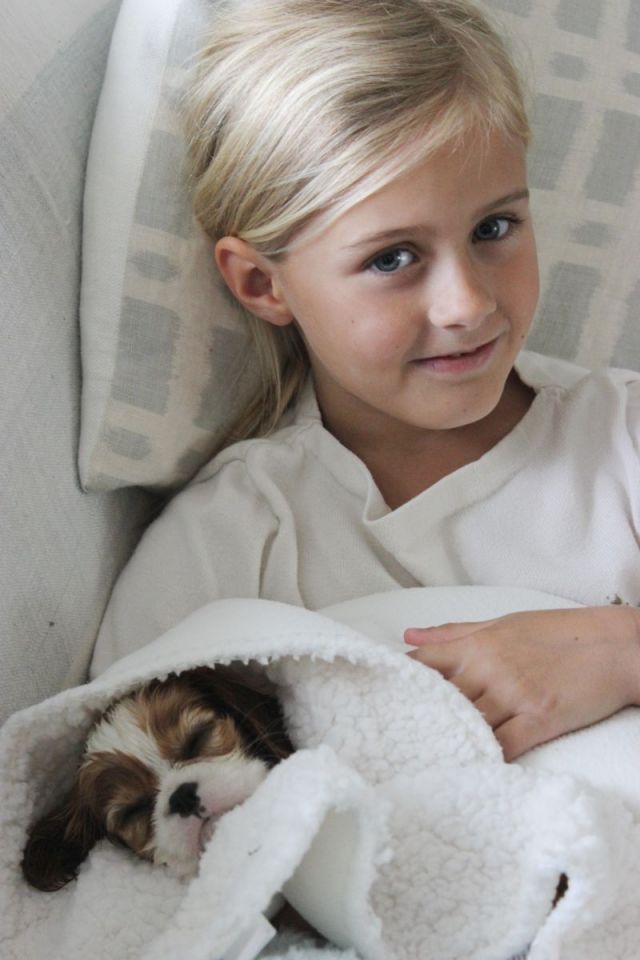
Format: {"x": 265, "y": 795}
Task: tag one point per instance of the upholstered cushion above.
{"x": 583, "y": 66}
{"x": 163, "y": 347}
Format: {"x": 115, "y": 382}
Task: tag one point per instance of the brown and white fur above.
{"x": 160, "y": 767}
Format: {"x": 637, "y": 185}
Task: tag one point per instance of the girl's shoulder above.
{"x": 604, "y": 400}
{"x": 543, "y": 372}
{"x": 300, "y": 429}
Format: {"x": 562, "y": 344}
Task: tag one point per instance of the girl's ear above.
{"x": 58, "y": 843}
{"x": 252, "y": 280}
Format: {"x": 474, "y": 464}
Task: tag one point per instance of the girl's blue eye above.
{"x": 392, "y": 260}
{"x": 495, "y": 228}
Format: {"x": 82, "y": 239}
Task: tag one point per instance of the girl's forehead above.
{"x": 464, "y": 180}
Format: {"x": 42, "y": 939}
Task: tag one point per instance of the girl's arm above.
{"x": 211, "y": 542}
{"x": 539, "y": 674}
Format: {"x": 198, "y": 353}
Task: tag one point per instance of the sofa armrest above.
{"x": 60, "y": 549}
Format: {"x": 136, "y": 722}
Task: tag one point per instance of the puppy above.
{"x": 159, "y": 769}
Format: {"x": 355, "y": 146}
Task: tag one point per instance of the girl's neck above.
{"x": 404, "y": 465}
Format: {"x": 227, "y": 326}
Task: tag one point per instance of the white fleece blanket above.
{"x": 396, "y": 828}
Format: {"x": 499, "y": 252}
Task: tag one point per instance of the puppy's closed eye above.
{"x": 197, "y": 741}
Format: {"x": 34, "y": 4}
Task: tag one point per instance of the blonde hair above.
{"x": 301, "y": 108}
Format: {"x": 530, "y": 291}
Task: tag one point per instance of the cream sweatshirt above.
{"x": 297, "y": 517}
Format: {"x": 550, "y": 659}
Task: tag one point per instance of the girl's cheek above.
{"x": 377, "y": 340}
{"x": 389, "y": 328}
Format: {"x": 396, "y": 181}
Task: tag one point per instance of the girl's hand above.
{"x": 539, "y": 674}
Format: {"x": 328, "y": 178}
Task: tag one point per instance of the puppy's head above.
{"x": 160, "y": 768}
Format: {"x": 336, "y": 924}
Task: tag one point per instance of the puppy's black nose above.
{"x": 185, "y": 800}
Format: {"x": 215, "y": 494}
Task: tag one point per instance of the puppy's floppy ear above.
{"x": 59, "y": 842}
{"x": 257, "y": 714}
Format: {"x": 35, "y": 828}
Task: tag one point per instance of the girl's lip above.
{"x": 459, "y": 363}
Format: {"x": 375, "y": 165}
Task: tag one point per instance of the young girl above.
{"x": 361, "y": 167}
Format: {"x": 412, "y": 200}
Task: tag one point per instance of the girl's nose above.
{"x": 459, "y": 295}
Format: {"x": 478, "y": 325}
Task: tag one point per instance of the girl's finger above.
{"x": 470, "y": 687}
{"x": 519, "y": 734}
{"x": 440, "y": 658}
{"x": 445, "y": 660}
{"x": 494, "y": 712}
{"x": 417, "y": 636}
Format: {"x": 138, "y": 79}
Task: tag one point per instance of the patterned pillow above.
{"x": 163, "y": 348}
{"x": 585, "y": 78}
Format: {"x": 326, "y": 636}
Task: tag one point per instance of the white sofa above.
{"x": 61, "y": 547}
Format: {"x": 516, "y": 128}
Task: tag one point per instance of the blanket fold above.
{"x": 395, "y": 828}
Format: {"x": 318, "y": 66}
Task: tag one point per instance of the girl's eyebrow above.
{"x": 501, "y": 201}
{"x": 397, "y": 232}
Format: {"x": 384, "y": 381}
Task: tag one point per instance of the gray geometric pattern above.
{"x": 148, "y": 335}
{"x": 583, "y": 66}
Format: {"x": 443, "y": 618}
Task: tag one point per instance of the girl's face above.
{"x": 414, "y": 304}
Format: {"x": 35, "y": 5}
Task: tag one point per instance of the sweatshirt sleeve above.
{"x": 211, "y": 542}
